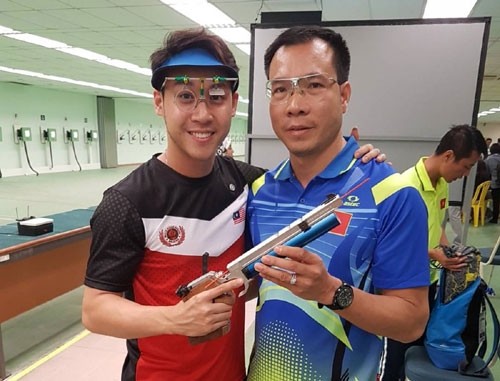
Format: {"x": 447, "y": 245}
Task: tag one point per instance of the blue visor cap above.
{"x": 191, "y": 57}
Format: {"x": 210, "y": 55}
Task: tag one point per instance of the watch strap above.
{"x": 334, "y": 306}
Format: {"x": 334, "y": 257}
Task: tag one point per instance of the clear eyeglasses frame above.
{"x": 213, "y": 91}
{"x": 313, "y": 85}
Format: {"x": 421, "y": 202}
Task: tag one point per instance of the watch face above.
{"x": 343, "y": 296}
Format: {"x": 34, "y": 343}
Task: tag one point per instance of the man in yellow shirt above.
{"x": 457, "y": 152}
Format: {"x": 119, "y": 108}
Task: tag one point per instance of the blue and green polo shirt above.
{"x": 381, "y": 243}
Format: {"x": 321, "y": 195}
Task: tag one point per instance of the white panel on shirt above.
{"x": 193, "y": 237}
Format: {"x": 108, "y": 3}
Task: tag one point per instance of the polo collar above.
{"x": 340, "y": 163}
{"x": 423, "y": 176}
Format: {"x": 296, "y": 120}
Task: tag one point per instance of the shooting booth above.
{"x": 37, "y": 269}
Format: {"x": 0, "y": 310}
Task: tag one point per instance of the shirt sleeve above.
{"x": 117, "y": 247}
{"x": 401, "y": 257}
{"x": 249, "y": 172}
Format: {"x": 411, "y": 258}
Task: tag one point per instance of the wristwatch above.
{"x": 342, "y": 298}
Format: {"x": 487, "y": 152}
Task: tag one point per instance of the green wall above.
{"x": 139, "y": 131}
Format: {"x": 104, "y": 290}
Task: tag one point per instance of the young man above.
{"x": 457, "y": 152}
{"x": 155, "y": 230}
{"x": 176, "y": 217}
{"x": 322, "y": 317}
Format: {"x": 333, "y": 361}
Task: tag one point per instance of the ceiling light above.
{"x": 233, "y": 34}
{"x": 82, "y": 53}
{"x": 245, "y": 48}
{"x": 211, "y": 17}
{"x": 73, "y": 82}
{"x": 86, "y": 54}
{"x": 448, "y": 8}
{"x": 79, "y": 52}
{"x": 37, "y": 40}
{"x": 5, "y": 30}
{"x": 92, "y": 56}
{"x": 201, "y": 12}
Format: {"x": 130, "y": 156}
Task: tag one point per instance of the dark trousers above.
{"x": 495, "y": 195}
{"x": 392, "y": 364}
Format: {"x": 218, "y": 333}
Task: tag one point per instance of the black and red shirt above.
{"x": 149, "y": 235}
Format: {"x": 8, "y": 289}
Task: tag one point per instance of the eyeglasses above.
{"x": 217, "y": 88}
{"x": 314, "y": 85}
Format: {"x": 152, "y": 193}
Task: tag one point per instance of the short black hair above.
{"x": 495, "y": 148}
{"x": 463, "y": 140}
{"x": 302, "y": 34}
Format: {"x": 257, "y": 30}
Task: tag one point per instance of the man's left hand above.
{"x": 301, "y": 272}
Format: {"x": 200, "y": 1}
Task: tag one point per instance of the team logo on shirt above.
{"x": 172, "y": 235}
{"x": 352, "y": 201}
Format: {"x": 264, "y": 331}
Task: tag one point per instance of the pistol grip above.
{"x": 194, "y": 340}
{"x": 207, "y": 285}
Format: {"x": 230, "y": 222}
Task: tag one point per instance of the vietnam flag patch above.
{"x": 345, "y": 220}
{"x": 442, "y": 203}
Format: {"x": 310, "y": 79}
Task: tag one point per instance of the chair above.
{"x": 490, "y": 256}
{"x": 478, "y": 203}
{"x": 418, "y": 367}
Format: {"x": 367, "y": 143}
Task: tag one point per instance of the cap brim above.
{"x": 191, "y": 58}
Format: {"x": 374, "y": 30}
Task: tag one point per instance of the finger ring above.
{"x": 293, "y": 279}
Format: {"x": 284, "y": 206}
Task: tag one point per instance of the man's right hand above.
{"x": 199, "y": 315}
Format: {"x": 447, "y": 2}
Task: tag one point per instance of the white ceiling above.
{"x": 130, "y": 30}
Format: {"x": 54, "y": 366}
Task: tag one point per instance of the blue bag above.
{"x": 456, "y": 330}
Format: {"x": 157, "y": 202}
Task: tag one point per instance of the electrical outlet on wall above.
{"x": 121, "y": 136}
{"x": 75, "y": 135}
{"x": 51, "y": 134}
{"x": 23, "y": 134}
{"x": 70, "y": 135}
{"x": 133, "y": 136}
{"x": 48, "y": 135}
{"x": 144, "y": 136}
{"x": 155, "y": 137}
{"x": 89, "y": 135}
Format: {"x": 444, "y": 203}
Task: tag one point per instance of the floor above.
{"x": 49, "y": 342}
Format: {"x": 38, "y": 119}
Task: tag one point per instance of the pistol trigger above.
{"x": 244, "y": 291}
{"x": 182, "y": 290}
